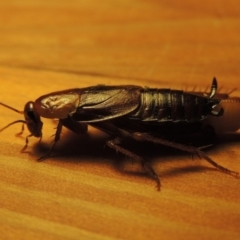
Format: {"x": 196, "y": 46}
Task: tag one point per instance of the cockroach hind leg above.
{"x": 190, "y": 149}
{"x": 201, "y": 154}
{"x": 145, "y": 164}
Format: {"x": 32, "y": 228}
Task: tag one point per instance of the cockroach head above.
{"x": 32, "y": 119}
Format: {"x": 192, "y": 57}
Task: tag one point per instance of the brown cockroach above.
{"x": 128, "y": 111}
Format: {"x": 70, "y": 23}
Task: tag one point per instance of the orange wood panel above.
{"x": 87, "y": 191}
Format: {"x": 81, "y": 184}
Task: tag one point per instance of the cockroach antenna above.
{"x": 32, "y": 120}
{"x": 15, "y": 110}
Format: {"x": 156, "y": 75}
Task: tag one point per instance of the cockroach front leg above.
{"x": 22, "y": 130}
{"x": 146, "y": 165}
{"x": 56, "y": 139}
{"x": 193, "y": 150}
{"x": 26, "y": 142}
{"x": 27, "y": 139}
{"x": 77, "y": 127}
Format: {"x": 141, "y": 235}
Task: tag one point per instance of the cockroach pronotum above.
{"x": 128, "y": 111}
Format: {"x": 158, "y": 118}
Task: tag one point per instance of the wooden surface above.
{"x": 87, "y": 191}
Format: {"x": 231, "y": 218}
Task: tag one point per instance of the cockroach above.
{"x": 128, "y": 111}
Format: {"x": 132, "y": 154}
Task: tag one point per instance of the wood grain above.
{"x": 87, "y": 191}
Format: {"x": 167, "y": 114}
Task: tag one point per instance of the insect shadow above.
{"x": 77, "y": 149}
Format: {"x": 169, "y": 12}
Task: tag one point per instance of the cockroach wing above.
{"x": 102, "y": 103}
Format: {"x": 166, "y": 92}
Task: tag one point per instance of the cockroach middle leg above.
{"x": 114, "y": 143}
{"x": 56, "y": 139}
{"x": 193, "y": 150}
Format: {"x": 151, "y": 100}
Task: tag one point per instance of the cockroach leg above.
{"x": 201, "y": 154}
{"x": 114, "y": 143}
{"x": 22, "y": 130}
{"x": 27, "y": 141}
{"x": 193, "y": 150}
{"x": 56, "y": 139}
{"x": 26, "y": 144}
